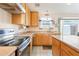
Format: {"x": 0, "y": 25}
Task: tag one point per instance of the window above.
{"x": 70, "y": 27}
{"x": 46, "y": 22}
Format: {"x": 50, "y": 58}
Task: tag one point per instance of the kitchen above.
{"x": 39, "y": 29}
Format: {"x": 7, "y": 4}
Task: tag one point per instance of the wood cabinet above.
{"x": 55, "y": 47}
{"x": 47, "y": 39}
{"x": 40, "y": 39}
{"x": 13, "y": 8}
{"x": 22, "y": 18}
{"x": 28, "y": 16}
{"x": 60, "y": 48}
{"x": 63, "y": 53}
{"x": 35, "y": 39}
{"x": 66, "y": 50}
{"x": 34, "y": 18}
{"x": 18, "y": 19}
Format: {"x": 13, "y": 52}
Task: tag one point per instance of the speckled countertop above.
{"x": 26, "y": 34}
{"x": 7, "y": 50}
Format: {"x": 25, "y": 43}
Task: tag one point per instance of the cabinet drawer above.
{"x": 70, "y": 51}
{"x": 56, "y": 51}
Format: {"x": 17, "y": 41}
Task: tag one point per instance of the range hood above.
{"x": 14, "y": 8}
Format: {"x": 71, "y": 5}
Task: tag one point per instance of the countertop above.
{"x": 48, "y": 32}
{"x": 26, "y": 34}
{"x": 71, "y": 40}
{"x": 7, "y": 50}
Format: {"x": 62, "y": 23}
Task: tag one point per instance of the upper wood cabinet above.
{"x": 22, "y": 18}
{"x": 28, "y": 14}
{"x": 34, "y": 18}
{"x": 14, "y": 8}
{"x": 18, "y": 19}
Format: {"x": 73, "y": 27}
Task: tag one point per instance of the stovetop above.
{"x": 15, "y": 41}
{"x": 10, "y": 37}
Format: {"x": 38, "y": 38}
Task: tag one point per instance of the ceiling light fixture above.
{"x": 68, "y": 3}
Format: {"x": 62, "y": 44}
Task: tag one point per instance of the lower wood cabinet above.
{"x": 60, "y": 48}
{"x": 63, "y": 53}
{"x": 47, "y": 39}
{"x": 35, "y": 39}
{"x": 40, "y": 39}
{"x": 56, "y": 51}
{"x": 67, "y": 50}
{"x": 55, "y": 47}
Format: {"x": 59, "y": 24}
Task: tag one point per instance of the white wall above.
{"x": 5, "y": 20}
{"x": 5, "y": 17}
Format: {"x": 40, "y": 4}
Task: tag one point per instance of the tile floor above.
{"x": 38, "y": 51}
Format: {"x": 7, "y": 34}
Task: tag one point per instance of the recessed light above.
{"x": 68, "y": 3}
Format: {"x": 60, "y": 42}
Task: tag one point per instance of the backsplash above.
{"x": 17, "y": 28}
{"x": 39, "y": 29}
{"x": 5, "y": 17}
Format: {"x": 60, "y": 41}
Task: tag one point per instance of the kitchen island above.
{"x": 66, "y": 45}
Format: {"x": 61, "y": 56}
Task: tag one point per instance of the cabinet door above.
{"x": 56, "y": 51}
{"x": 63, "y": 53}
{"x": 27, "y": 14}
{"x": 35, "y": 39}
{"x": 55, "y": 42}
{"x": 18, "y": 19}
{"x": 39, "y": 39}
{"x": 47, "y": 39}
{"x": 69, "y": 50}
{"x": 56, "y": 47}
{"x": 34, "y": 18}
{"x": 42, "y": 39}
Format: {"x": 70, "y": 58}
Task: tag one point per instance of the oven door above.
{"x": 23, "y": 45}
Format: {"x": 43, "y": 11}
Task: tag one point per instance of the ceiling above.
{"x": 55, "y": 7}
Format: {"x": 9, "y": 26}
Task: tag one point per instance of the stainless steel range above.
{"x": 9, "y": 37}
